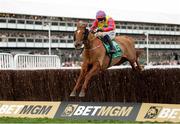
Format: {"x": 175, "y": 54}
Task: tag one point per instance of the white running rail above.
{"x": 26, "y": 61}
{"x": 6, "y": 61}
{"x": 128, "y": 66}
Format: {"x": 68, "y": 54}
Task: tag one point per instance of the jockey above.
{"x": 105, "y": 26}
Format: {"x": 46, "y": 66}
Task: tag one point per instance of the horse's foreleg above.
{"x": 80, "y": 79}
{"x": 94, "y": 70}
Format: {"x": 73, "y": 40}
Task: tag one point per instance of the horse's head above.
{"x": 80, "y": 35}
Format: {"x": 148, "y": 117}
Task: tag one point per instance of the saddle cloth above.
{"x": 118, "y": 52}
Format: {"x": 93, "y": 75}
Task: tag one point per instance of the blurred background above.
{"x": 46, "y": 27}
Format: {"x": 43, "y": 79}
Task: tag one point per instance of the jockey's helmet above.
{"x": 100, "y": 15}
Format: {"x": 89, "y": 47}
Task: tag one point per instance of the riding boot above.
{"x": 108, "y": 40}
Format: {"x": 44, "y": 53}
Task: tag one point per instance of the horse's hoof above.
{"x": 82, "y": 94}
{"x": 73, "y": 94}
{"x": 141, "y": 68}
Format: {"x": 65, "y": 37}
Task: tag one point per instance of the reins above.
{"x": 85, "y": 39}
{"x": 86, "y": 33}
{"x": 93, "y": 48}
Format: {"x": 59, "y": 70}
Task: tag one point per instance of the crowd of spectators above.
{"x": 154, "y": 39}
{"x": 70, "y": 58}
{"x": 63, "y": 35}
{"x": 36, "y": 17}
{"x": 31, "y": 34}
{"x": 162, "y": 57}
{"x": 120, "y": 24}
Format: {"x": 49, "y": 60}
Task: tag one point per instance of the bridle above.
{"x": 85, "y": 34}
{"x": 85, "y": 39}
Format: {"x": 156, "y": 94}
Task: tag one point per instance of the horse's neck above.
{"x": 92, "y": 41}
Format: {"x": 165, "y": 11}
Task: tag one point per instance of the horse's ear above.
{"x": 82, "y": 24}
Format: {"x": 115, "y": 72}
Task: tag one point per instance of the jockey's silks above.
{"x": 106, "y": 26}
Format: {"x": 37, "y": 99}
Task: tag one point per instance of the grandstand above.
{"x": 25, "y": 33}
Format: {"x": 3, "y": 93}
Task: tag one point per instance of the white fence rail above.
{"x": 25, "y": 61}
{"x": 128, "y": 66}
{"x": 6, "y": 61}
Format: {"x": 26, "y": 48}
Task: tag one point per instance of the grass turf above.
{"x": 47, "y": 120}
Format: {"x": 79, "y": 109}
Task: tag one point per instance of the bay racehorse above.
{"x": 95, "y": 58}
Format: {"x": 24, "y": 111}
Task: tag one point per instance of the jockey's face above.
{"x": 101, "y": 19}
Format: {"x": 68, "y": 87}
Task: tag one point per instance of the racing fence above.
{"x": 112, "y": 85}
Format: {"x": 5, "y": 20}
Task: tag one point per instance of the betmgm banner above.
{"x": 145, "y": 112}
{"x": 28, "y": 109}
{"x": 70, "y": 110}
{"x": 91, "y": 110}
{"x": 159, "y": 113}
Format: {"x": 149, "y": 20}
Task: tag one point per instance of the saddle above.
{"x": 118, "y": 52}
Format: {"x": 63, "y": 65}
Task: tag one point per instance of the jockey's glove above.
{"x": 100, "y": 34}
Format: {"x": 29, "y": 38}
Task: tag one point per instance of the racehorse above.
{"x": 95, "y": 58}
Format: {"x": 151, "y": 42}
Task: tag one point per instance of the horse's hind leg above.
{"x": 94, "y": 70}
{"x": 138, "y": 67}
{"x": 135, "y": 65}
{"x": 138, "y": 53}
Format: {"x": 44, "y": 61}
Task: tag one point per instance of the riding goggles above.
{"x": 100, "y": 19}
